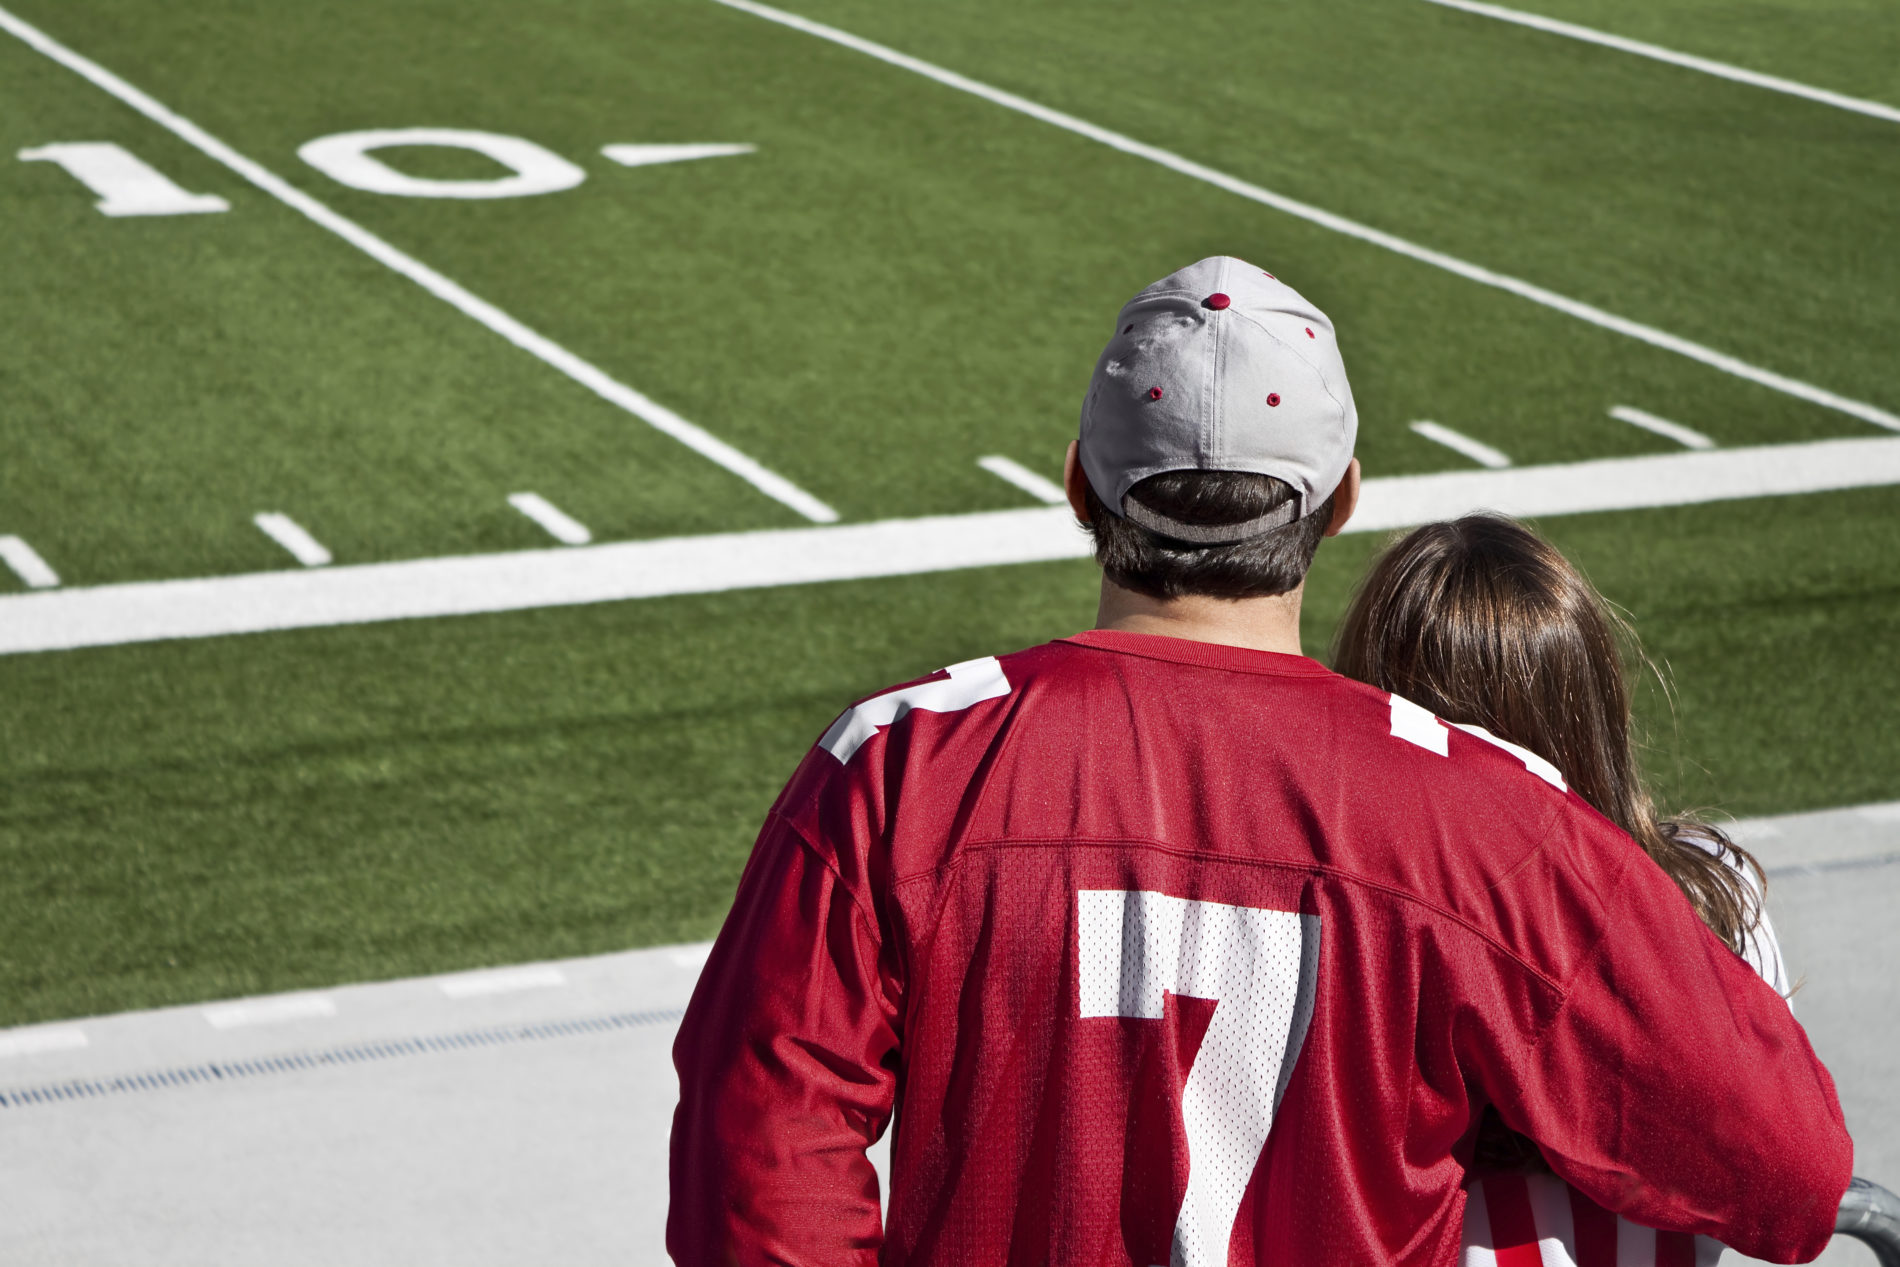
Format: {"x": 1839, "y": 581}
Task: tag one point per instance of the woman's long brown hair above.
{"x": 1483, "y": 622}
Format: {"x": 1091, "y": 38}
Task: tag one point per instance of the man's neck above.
{"x": 1260, "y": 624}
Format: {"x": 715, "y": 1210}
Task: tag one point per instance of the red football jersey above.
{"x": 1164, "y": 952}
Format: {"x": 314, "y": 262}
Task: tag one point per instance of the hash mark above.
{"x": 1477, "y": 450}
{"x": 291, "y": 535}
{"x": 1043, "y": 490}
{"x": 27, "y": 564}
{"x": 1688, "y": 437}
{"x": 560, "y": 525}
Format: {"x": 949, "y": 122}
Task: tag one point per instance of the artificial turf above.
{"x": 901, "y": 279}
{"x": 237, "y": 815}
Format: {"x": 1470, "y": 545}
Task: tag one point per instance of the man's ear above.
{"x": 1075, "y": 482}
{"x": 1345, "y": 499}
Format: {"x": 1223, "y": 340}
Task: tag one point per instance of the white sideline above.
{"x": 147, "y": 611}
{"x": 650, "y": 411}
{"x": 1325, "y": 219}
{"x": 1722, "y": 70}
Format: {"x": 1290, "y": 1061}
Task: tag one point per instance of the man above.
{"x": 1163, "y": 944}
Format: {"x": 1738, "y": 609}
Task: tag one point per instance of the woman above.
{"x": 1487, "y": 625}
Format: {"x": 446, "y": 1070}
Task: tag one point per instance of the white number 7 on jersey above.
{"x": 1260, "y": 967}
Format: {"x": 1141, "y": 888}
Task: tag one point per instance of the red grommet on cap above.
{"x": 1216, "y": 301}
{"x": 1273, "y": 399}
{"x": 1269, "y": 276}
{"x": 1310, "y": 334}
{"x": 1154, "y": 393}
{"x": 1131, "y": 325}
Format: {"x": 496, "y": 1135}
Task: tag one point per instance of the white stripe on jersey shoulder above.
{"x": 1532, "y": 762}
{"x": 1417, "y": 725}
{"x": 969, "y": 683}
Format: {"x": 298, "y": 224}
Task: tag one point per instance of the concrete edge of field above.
{"x": 533, "y": 1002}
{"x": 522, "y": 1114}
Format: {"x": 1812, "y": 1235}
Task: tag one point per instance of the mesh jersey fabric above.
{"x": 1158, "y": 951}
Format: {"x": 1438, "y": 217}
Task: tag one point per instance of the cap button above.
{"x": 1216, "y": 301}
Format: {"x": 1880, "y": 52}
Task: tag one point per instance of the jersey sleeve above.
{"x": 787, "y": 1069}
{"x": 1673, "y": 1086}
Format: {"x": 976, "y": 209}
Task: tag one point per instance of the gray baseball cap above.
{"x": 1219, "y": 367}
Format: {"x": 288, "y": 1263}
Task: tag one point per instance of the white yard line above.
{"x": 292, "y": 535}
{"x": 147, "y": 611}
{"x": 1043, "y": 490}
{"x": 1722, "y": 70}
{"x": 560, "y": 525}
{"x": 653, "y": 413}
{"x": 1688, "y": 437}
{"x": 1339, "y": 224}
{"x": 27, "y": 564}
{"x": 1458, "y": 442}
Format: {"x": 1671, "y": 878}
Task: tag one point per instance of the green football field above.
{"x": 900, "y": 277}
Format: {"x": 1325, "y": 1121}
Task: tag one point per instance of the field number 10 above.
{"x": 129, "y": 186}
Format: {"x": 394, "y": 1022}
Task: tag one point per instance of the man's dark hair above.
{"x": 1274, "y": 562}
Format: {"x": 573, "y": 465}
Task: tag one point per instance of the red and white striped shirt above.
{"x": 1541, "y": 1221}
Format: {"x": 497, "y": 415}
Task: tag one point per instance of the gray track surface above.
{"x": 530, "y": 1127}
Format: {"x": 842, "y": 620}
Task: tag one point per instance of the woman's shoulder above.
{"x": 1760, "y": 947}
{"x": 1715, "y": 842}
